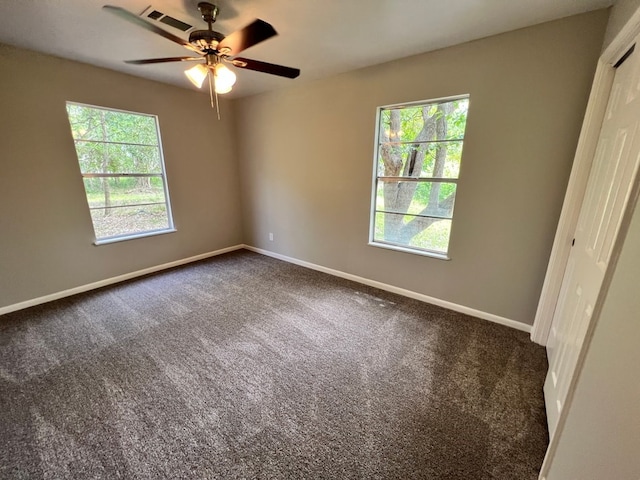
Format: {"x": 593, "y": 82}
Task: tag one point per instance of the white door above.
{"x": 608, "y": 189}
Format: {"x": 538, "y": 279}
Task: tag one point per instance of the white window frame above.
{"x": 163, "y": 175}
{"x": 376, "y": 157}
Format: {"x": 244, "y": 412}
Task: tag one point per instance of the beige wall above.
{"x": 45, "y": 229}
{"x": 306, "y": 163}
{"x": 602, "y": 431}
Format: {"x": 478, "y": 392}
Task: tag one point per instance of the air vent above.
{"x": 158, "y": 16}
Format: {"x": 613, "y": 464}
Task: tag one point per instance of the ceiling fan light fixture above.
{"x": 212, "y": 48}
{"x": 224, "y": 78}
{"x": 197, "y": 74}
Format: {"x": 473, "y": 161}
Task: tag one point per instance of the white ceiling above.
{"x": 321, "y": 38}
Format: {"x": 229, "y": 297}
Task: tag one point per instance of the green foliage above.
{"x": 402, "y": 140}
{"x": 131, "y": 140}
{"x": 412, "y": 120}
{"x": 123, "y": 191}
{"x": 93, "y": 123}
{"x": 423, "y": 141}
{"x": 113, "y": 142}
{"x": 435, "y": 238}
{"x": 129, "y": 220}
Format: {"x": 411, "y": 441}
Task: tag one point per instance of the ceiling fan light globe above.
{"x": 224, "y": 78}
{"x": 222, "y": 89}
{"x": 197, "y": 74}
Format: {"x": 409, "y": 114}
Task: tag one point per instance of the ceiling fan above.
{"x": 213, "y": 49}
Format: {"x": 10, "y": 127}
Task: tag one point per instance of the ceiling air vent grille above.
{"x": 159, "y": 16}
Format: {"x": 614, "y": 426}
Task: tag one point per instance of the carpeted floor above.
{"x": 243, "y": 366}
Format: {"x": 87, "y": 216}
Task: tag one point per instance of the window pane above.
{"x": 407, "y": 230}
{"x": 433, "y": 121}
{"x": 116, "y": 158}
{"x": 456, "y": 117}
{"x": 109, "y": 192}
{"x": 86, "y": 123}
{"x": 130, "y": 128}
{"x": 402, "y": 124}
{"x": 418, "y": 198}
{"x": 120, "y": 146}
{"x": 90, "y": 123}
{"x": 422, "y": 142}
{"x": 129, "y": 220}
{"x": 431, "y": 160}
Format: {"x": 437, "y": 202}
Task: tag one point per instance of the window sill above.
{"x": 122, "y": 238}
{"x": 398, "y": 248}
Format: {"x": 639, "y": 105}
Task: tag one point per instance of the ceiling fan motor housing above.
{"x": 207, "y": 40}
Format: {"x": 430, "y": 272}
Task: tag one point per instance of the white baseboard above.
{"x": 111, "y": 281}
{"x": 372, "y": 283}
{"x": 400, "y": 291}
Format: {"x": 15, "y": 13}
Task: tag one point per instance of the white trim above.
{"x": 611, "y": 54}
{"x": 621, "y": 43}
{"x": 337, "y": 273}
{"x": 414, "y": 251}
{"x": 374, "y": 181}
{"x": 165, "y": 184}
{"x": 434, "y": 101}
{"x": 400, "y": 291}
{"x": 112, "y": 280}
{"x": 133, "y": 236}
{"x": 585, "y": 152}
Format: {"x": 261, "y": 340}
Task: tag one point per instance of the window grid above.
{"x": 131, "y": 215}
{"x": 416, "y": 176}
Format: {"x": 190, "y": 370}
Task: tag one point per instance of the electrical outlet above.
{"x": 271, "y": 236}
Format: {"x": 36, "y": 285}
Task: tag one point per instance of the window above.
{"x": 418, "y": 153}
{"x": 121, "y": 162}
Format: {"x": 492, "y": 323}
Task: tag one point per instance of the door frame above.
{"x": 585, "y": 152}
{"x": 573, "y": 201}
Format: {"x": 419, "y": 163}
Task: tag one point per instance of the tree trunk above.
{"x": 143, "y": 182}
{"x": 441, "y": 157}
{"x": 105, "y": 167}
{"x": 399, "y": 195}
{"x": 434, "y": 206}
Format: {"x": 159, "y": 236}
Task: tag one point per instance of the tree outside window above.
{"x": 419, "y": 150}
{"x": 120, "y": 158}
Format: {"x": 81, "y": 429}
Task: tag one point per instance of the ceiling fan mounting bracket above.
{"x": 209, "y": 12}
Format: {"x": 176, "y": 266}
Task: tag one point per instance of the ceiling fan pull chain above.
{"x": 217, "y": 104}
{"x": 213, "y": 93}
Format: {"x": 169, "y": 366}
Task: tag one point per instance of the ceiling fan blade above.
{"x": 162, "y": 60}
{"x": 251, "y": 35}
{"x": 135, "y": 19}
{"x": 265, "y": 67}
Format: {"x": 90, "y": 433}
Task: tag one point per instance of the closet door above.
{"x": 608, "y": 189}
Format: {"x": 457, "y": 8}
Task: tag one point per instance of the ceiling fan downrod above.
{"x": 207, "y": 40}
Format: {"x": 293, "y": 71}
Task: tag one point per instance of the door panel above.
{"x": 610, "y": 182}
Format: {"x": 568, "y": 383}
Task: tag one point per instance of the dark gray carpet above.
{"x": 243, "y": 366}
